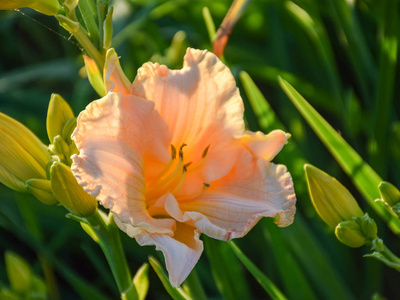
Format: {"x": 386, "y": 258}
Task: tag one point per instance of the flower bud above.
{"x": 68, "y": 129}
{"x": 60, "y": 146}
{"x": 389, "y": 193}
{"x": 22, "y": 154}
{"x": 41, "y": 189}
{"x": 332, "y": 201}
{"x": 396, "y": 209}
{"x": 18, "y": 271}
{"x": 69, "y": 193}
{"x": 94, "y": 76}
{"x": 58, "y": 114}
{"x": 47, "y": 7}
{"x": 350, "y": 233}
{"x": 368, "y": 227}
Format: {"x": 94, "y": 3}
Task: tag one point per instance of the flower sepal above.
{"x": 22, "y": 155}
{"x": 69, "y": 193}
{"x": 332, "y": 201}
{"x": 357, "y": 231}
{"x": 41, "y": 189}
{"x": 47, "y": 7}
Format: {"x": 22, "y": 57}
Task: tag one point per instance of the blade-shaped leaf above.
{"x": 176, "y": 294}
{"x": 265, "y": 282}
{"x": 362, "y": 175}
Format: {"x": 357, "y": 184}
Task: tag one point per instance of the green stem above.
{"x": 390, "y": 255}
{"x": 110, "y": 243}
{"x": 76, "y": 30}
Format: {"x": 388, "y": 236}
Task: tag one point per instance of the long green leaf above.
{"x": 348, "y": 27}
{"x": 291, "y": 272}
{"x": 226, "y": 270}
{"x": 265, "y": 282}
{"x": 387, "y": 75}
{"x": 268, "y": 121}
{"x": 78, "y": 283}
{"x": 176, "y": 294}
{"x": 363, "y": 176}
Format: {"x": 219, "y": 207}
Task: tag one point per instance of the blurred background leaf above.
{"x": 340, "y": 55}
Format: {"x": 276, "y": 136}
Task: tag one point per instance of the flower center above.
{"x": 172, "y": 176}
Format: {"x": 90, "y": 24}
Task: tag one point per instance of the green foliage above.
{"x": 339, "y": 55}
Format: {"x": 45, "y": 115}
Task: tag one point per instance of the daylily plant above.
{"x": 169, "y": 155}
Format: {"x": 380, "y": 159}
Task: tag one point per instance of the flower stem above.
{"x": 76, "y": 30}
{"x": 110, "y": 242}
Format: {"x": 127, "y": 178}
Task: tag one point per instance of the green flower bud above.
{"x": 68, "y": 129}
{"x": 60, "y": 147}
{"x": 69, "y": 193}
{"x": 108, "y": 29}
{"x": 396, "y": 209}
{"x": 368, "y": 227}
{"x": 332, "y": 201}
{"x": 18, "y": 271}
{"x": 41, "y": 189}
{"x": 58, "y": 114}
{"x": 22, "y": 154}
{"x": 350, "y": 234}
{"x": 389, "y": 193}
{"x": 47, "y": 7}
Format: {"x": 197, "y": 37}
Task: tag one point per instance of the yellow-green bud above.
{"x": 18, "y": 271}
{"x": 141, "y": 281}
{"x": 70, "y": 5}
{"x": 47, "y": 7}
{"x": 396, "y": 209}
{"x": 368, "y": 227}
{"x": 22, "y": 154}
{"x": 68, "y": 129}
{"x": 58, "y": 114}
{"x": 69, "y": 193}
{"x": 94, "y": 76}
{"x": 389, "y": 193}
{"x": 332, "y": 201}
{"x": 60, "y": 146}
{"x": 350, "y": 234}
{"x": 108, "y": 29}
{"x": 41, "y": 189}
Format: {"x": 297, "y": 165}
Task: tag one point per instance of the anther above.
{"x": 186, "y": 165}
{"x": 173, "y": 152}
{"x": 181, "y": 152}
{"x": 205, "y": 152}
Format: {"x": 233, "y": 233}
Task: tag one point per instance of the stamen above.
{"x": 186, "y": 165}
{"x": 181, "y": 152}
{"x": 178, "y": 186}
{"x": 173, "y": 152}
{"x": 203, "y": 160}
{"x": 205, "y": 151}
{"x": 168, "y": 165}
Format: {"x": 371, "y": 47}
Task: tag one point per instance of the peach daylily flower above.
{"x": 168, "y": 155}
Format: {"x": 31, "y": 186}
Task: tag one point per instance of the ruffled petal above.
{"x": 114, "y": 78}
{"x": 181, "y": 251}
{"x": 265, "y": 146}
{"x": 231, "y": 206}
{"x": 118, "y": 137}
{"x": 201, "y": 105}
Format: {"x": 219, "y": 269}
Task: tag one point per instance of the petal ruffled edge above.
{"x": 181, "y": 251}
{"x": 230, "y": 208}
{"x": 110, "y": 166}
